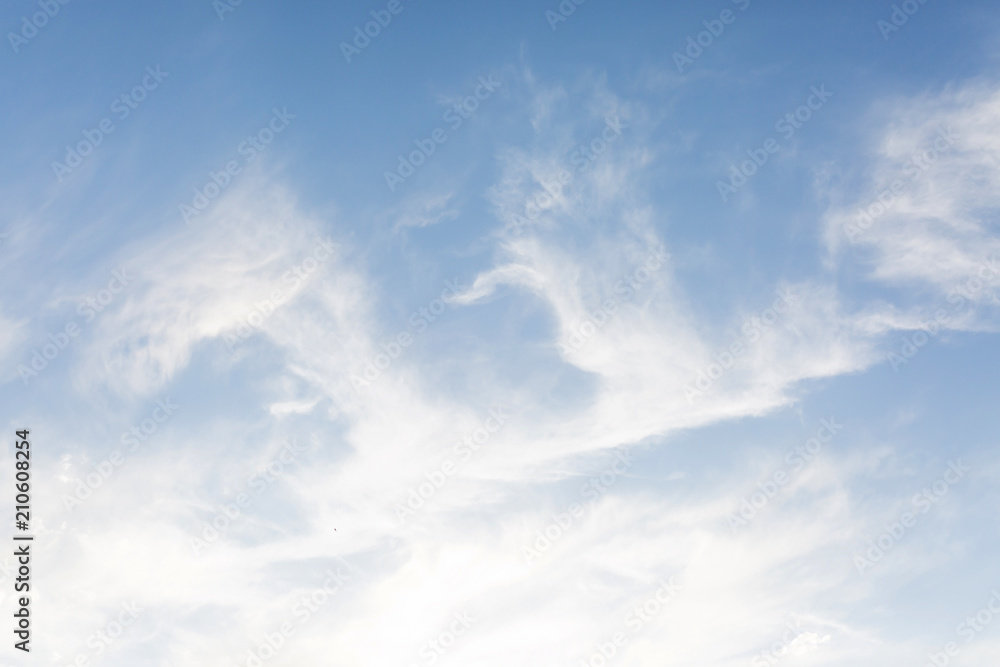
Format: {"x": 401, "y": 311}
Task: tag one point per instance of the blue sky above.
{"x": 214, "y": 294}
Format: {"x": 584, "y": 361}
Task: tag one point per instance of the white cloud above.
{"x": 207, "y": 281}
{"x": 368, "y": 446}
{"x": 928, "y": 212}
